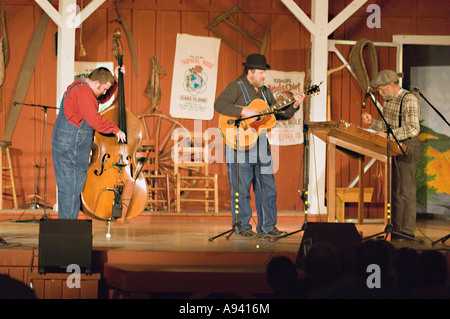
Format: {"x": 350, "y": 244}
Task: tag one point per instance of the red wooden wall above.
{"x": 155, "y": 24}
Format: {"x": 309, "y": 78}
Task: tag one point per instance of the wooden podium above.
{"x": 357, "y": 143}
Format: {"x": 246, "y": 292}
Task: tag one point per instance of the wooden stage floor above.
{"x": 182, "y": 240}
{"x": 191, "y": 231}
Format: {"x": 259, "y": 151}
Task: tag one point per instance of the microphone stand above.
{"x": 44, "y": 108}
{"x": 438, "y": 113}
{"x": 389, "y": 229}
{"x": 304, "y": 192}
{"x": 237, "y": 223}
{"x": 443, "y": 239}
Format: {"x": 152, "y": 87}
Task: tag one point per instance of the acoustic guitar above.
{"x": 251, "y": 128}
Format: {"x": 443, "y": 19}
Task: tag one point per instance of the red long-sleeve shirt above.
{"x": 81, "y": 104}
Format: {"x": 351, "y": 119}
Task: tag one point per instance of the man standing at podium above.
{"x": 402, "y": 112}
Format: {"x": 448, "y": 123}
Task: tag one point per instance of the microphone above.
{"x": 415, "y": 89}
{"x": 366, "y": 96}
{"x": 230, "y": 121}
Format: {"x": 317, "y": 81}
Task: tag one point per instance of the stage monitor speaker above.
{"x": 63, "y": 242}
{"x": 339, "y": 235}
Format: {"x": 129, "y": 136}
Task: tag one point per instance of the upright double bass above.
{"x": 115, "y": 187}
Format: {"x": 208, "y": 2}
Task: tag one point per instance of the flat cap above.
{"x": 385, "y": 77}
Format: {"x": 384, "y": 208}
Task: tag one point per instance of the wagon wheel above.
{"x": 160, "y": 127}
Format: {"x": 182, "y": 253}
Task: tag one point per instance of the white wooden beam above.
{"x": 422, "y": 39}
{"x": 319, "y": 65}
{"x": 89, "y": 9}
{"x": 66, "y": 49}
{"x": 75, "y": 20}
{"x": 67, "y": 20}
{"x": 348, "y": 11}
{"x": 300, "y": 15}
{"x": 50, "y": 10}
{"x": 320, "y": 29}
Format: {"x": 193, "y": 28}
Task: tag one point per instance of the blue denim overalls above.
{"x": 71, "y": 148}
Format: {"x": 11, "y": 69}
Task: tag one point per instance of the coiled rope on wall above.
{"x": 358, "y": 66}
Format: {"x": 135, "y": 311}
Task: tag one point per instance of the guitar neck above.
{"x": 278, "y": 106}
{"x": 282, "y": 104}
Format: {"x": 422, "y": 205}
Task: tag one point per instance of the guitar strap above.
{"x": 265, "y": 93}
{"x": 245, "y": 92}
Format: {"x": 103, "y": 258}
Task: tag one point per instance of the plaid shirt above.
{"x": 410, "y": 126}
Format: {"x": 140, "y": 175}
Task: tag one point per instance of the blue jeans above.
{"x": 255, "y": 169}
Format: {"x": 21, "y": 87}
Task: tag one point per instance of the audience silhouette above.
{"x": 11, "y": 288}
{"x": 370, "y": 270}
{"x": 373, "y": 269}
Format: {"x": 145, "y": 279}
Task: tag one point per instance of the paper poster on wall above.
{"x": 83, "y": 69}
{"x": 194, "y": 77}
{"x": 283, "y": 86}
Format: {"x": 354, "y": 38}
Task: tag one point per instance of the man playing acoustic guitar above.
{"x": 255, "y": 161}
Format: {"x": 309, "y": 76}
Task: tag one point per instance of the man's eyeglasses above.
{"x": 382, "y": 88}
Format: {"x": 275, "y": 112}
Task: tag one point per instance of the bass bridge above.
{"x": 121, "y": 164}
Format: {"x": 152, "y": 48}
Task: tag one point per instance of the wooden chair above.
{"x": 5, "y": 149}
{"x": 158, "y": 184}
{"x": 191, "y": 170}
